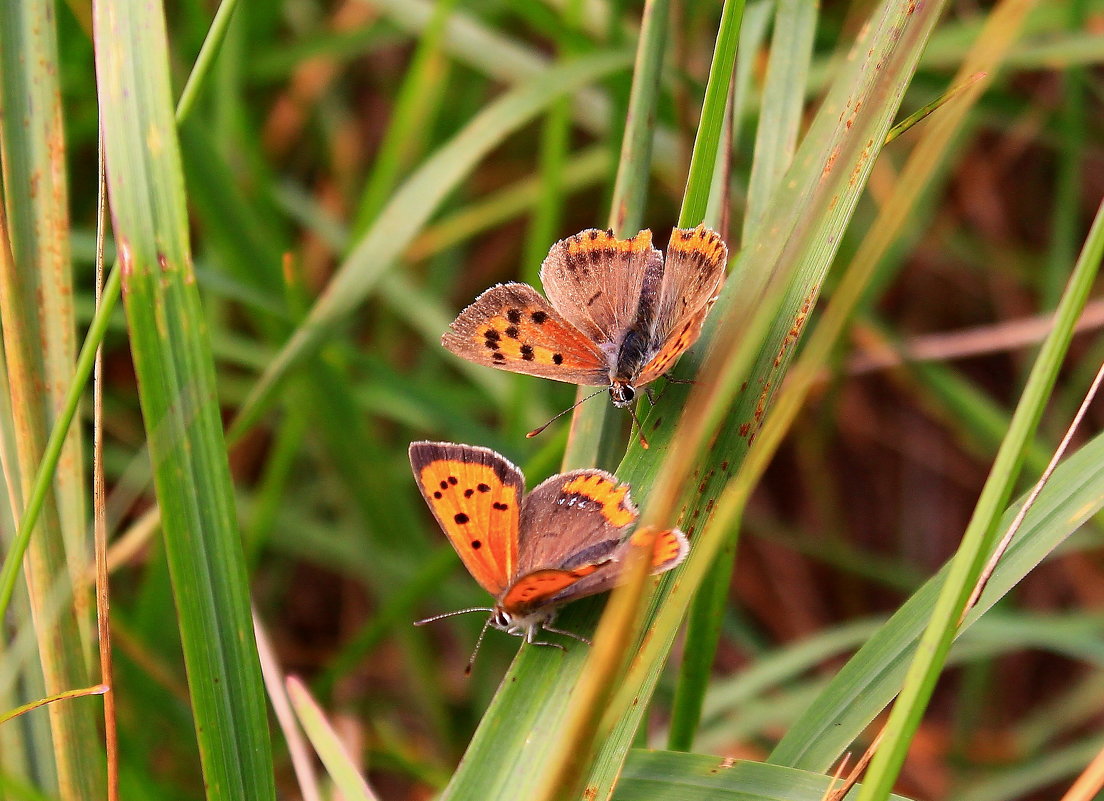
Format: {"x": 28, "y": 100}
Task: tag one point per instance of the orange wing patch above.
{"x": 697, "y": 243}
{"x": 611, "y": 496}
{"x": 587, "y": 242}
{"x": 668, "y": 551}
{"x": 512, "y": 327}
{"x": 538, "y": 587}
{"x": 671, "y": 350}
{"x": 521, "y": 337}
{"x": 479, "y": 513}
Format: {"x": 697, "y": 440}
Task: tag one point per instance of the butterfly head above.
{"x": 622, "y": 393}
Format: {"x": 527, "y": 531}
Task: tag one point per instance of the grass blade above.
{"x": 172, "y": 359}
{"x": 656, "y": 775}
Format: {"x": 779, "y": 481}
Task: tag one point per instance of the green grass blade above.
{"x": 672, "y": 776}
{"x": 172, "y": 359}
{"x": 782, "y": 105}
{"x": 204, "y": 61}
{"x": 699, "y": 178}
{"x": 409, "y": 209}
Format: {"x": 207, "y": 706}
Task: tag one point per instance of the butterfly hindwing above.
{"x": 476, "y": 496}
{"x": 669, "y": 548}
{"x": 573, "y": 519}
{"x": 692, "y": 277}
{"x": 596, "y": 281}
{"x": 512, "y": 327}
{"x": 591, "y": 573}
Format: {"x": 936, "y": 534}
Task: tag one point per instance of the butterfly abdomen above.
{"x": 631, "y": 356}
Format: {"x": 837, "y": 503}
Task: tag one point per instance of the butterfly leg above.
{"x": 531, "y": 638}
{"x": 670, "y": 380}
{"x": 566, "y": 633}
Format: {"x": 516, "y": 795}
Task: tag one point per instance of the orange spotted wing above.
{"x": 566, "y": 540}
{"x": 475, "y": 494}
{"x": 510, "y": 326}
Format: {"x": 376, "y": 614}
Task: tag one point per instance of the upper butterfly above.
{"x": 616, "y": 313}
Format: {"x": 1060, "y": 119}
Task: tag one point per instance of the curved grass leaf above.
{"x": 674, "y": 776}
{"x": 868, "y": 682}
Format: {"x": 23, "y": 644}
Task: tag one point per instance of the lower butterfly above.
{"x": 533, "y": 552}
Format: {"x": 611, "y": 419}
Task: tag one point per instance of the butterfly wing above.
{"x": 692, "y": 277}
{"x": 511, "y": 327}
{"x": 476, "y": 496}
{"x": 551, "y": 586}
{"x": 572, "y": 527}
{"x": 572, "y": 519}
{"x": 596, "y": 281}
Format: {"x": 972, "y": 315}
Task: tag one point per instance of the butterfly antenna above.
{"x": 423, "y": 621}
{"x": 639, "y": 428}
{"x": 536, "y": 431}
{"x": 475, "y": 650}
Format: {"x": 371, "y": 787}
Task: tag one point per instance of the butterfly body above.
{"x": 533, "y": 552}
{"x": 617, "y": 313}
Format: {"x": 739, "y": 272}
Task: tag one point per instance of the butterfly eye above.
{"x": 500, "y": 619}
{"x": 622, "y": 394}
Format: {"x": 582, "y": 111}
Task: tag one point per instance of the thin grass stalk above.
{"x": 99, "y": 510}
{"x": 172, "y": 359}
{"x": 38, "y": 325}
{"x": 968, "y": 561}
{"x": 201, "y": 70}
{"x": 699, "y": 177}
{"x": 594, "y": 432}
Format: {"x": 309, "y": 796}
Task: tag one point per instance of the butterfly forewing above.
{"x": 692, "y": 277}
{"x": 512, "y": 327}
{"x": 595, "y": 281}
{"x": 476, "y": 496}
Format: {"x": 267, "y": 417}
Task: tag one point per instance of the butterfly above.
{"x": 617, "y": 313}
{"x": 564, "y": 540}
